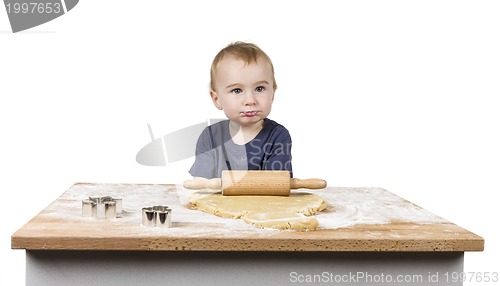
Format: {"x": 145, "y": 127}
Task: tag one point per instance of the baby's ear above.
{"x": 215, "y": 99}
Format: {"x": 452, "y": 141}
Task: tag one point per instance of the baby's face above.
{"x": 244, "y": 91}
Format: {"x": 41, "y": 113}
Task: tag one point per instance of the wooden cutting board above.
{"x": 357, "y": 219}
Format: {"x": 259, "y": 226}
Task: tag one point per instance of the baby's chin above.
{"x": 247, "y": 120}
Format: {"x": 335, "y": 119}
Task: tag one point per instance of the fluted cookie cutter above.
{"x": 102, "y": 207}
{"x": 160, "y": 216}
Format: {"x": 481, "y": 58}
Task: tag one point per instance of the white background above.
{"x": 401, "y": 95}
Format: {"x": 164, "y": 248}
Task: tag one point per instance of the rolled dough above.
{"x": 279, "y": 212}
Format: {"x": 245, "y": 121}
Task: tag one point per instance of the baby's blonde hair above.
{"x": 247, "y": 52}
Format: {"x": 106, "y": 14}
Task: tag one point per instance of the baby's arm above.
{"x": 280, "y": 154}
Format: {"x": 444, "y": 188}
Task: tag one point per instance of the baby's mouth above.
{"x": 250, "y": 113}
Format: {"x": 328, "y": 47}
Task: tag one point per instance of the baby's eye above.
{"x": 260, "y": 89}
{"x": 236, "y": 91}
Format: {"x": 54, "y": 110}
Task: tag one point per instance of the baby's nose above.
{"x": 250, "y": 99}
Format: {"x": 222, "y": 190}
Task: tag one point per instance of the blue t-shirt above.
{"x": 271, "y": 149}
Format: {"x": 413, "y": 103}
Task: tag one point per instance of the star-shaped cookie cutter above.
{"x": 160, "y": 216}
{"x": 102, "y": 207}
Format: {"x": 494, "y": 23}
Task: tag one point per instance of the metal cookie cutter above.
{"x": 160, "y": 216}
{"x": 102, "y": 207}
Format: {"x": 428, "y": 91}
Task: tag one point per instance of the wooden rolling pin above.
{"x": 260, "y": 183}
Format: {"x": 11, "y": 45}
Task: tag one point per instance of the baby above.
{"x": 242, "y": 85}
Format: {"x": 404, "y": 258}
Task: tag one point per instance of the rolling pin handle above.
{"x": 308, "y": 183}
{"x": 199, "y": 183}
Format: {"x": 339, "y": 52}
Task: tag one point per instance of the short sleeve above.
{"x": 205, "y": 160}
